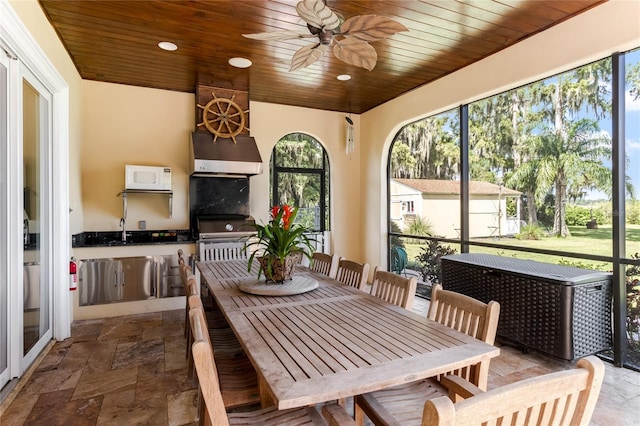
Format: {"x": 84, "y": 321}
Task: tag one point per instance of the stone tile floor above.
{"x": 132, "y": 370}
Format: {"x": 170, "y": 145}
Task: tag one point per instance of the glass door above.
{"x": 36, "y": 190}
{"x": 5, "y": 375}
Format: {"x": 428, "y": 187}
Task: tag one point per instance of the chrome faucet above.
{"x": 124, "y": 232}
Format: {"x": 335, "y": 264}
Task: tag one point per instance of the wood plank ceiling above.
{"x": 116, "y": 41}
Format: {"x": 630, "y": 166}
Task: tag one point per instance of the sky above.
{"x": 632, "y": 140}
{"x": 632, "y": 135}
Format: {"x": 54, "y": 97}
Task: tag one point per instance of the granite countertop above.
{"x": 114, "y": 238}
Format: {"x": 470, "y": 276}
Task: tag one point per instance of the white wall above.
{"x": 34, "y": 19}
{"x": 608, "y": 28}
{"x": 134, "y": 125}
{"x": 270, "y": 122}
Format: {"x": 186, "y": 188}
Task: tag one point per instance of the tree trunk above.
{"x": 559, "y": 222}
{"x": 532, "y": 212}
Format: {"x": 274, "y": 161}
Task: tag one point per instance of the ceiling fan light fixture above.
{"x": 350, "y": 38}
{"x": 344, "y": 77}
{"x": 240, "y": 62}
{"x": 167, "y": 45}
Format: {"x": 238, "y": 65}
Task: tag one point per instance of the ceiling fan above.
{"x": 350, "y": 38}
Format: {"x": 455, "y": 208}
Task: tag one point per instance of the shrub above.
{"x": 413, "y": 264}
{"x": 632, "y": 213}
{"x": 580, "y": 216}
{"x": 429, "y": 260}
{"x": 395, "y": 240}
{"x": 633, "y": 305}
{"x": 530, "y": 232}
{"x": 584, "y": 265}
{"x": 420, "y": 226}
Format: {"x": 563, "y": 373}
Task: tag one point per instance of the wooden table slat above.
{"x": 367, "y": 344}
{"x": 284, "y": 351}
{"x": 413, "y": 332}
{"x": 335, "y": 341}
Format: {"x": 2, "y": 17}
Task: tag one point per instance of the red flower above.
{"x": 287, "y": 211}
{"x": 281, "y": 237}
{"x": 274, "y": 211}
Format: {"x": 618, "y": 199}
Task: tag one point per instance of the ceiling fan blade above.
{"x": 317, "y": 14}
{"x": 356, "y": 52}
{"x": 307, "y": 56}
{"x": 278, "y": 35}
{"x": 371, "y": 27}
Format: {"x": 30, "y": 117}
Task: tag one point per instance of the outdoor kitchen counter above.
{"x": 114, "y": 238}
{"x": 133, "y": 307}
{"x": 129, "y": 250}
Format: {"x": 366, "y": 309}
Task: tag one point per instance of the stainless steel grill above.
{"x": 224, "y": 228}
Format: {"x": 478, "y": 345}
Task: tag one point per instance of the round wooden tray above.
{"x": 297, "y": 285}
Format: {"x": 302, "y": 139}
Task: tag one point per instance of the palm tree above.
{"x": 434, "y": 149}
{"x": 500, "y": 140}
{"x": 572, "y": 157}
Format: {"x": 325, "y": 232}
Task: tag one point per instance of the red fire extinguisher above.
{"x": 73, "y": 274}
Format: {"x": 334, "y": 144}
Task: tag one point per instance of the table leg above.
{"x": 265, "y": 396}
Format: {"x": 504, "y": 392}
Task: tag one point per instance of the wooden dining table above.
{"x": 335, "y": 341}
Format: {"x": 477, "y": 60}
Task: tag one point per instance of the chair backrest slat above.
{"x": 224, "y": 251}
{"x": 464, "y": 314}
{"x": 471, "y": 317}
{"x": 394, "y": 288}
{"x": 324, "y": 263}
{"x": 352, "y": 273}
{"x": 562, "y": 398}
{"x": 207, "y": 374}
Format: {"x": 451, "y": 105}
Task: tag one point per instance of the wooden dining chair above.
{"x": 185, "y": 272}
{"x": 233, "y": 250}
{"x": 238, "y": 379}
{"x": 353, "y": 274}
{"x": 563, "y": 398}
{"x": 190, "y": 289}
{"x": 394, "y": 288}
{"x": 454, "y": 310}
{"x": 213, "y": 407}
{"x": 471, "y": 317}
{"x": 324, "y": 263}
{"x": 223, "y": 338}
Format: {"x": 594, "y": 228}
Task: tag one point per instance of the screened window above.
{"x": 424, "y": 173}
{"x": 300, "y": 177}
{"x": 540, "y": 172}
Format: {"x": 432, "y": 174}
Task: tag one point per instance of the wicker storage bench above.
{"x": 561, "y": 311}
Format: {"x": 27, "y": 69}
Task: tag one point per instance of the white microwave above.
{"x": 148, "y": 178}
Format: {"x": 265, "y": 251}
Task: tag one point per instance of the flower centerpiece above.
{"x": 280, "y": 244}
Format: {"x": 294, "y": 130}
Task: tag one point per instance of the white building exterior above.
{"x": 438, "y": 202}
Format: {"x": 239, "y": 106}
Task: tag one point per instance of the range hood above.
{"x": 223, "y": 156}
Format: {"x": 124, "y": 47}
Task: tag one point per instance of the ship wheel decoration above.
{"x": 223, "y": 117}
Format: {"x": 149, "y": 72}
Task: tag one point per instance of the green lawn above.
{"x": 582, "y": 240}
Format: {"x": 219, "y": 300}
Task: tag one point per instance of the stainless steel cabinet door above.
{"x": 100, "y": 281}
{"x": 138, "y": 278}
{"x": 125, "y": 279}
{"x": 168, "y": 276}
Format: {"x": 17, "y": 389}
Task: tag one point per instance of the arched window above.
{"x": 300, "y": 177}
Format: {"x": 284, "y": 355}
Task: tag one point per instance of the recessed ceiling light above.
{"x": 167, "y": 45}
{"x": 344, "y": 77}
{"x": 240, "y": 62}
